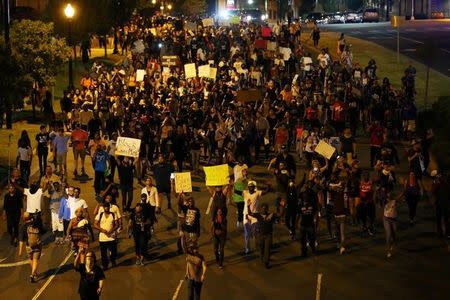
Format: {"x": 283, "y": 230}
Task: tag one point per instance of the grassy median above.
{"x": 387, "y": 64}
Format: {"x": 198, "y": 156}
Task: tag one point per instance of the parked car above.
{"x": 315, "y": 17}
{"x": 353, "y": 17}
{"x": 370, "y": 15}
{"x": 336, "y": 18}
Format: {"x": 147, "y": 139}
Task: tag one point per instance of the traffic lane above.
{"x": 14, "y": 280}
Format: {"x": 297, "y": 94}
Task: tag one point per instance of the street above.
{"x": 412, "y": 35}
{"x": 361, "y": 273}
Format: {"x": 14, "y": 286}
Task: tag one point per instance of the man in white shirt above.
{"x": 106, "y": 223}
{"x": 252, "y": 199}
{"x": 33, "y": 198}
{"x": 237, "y": 170}
{"x": 76, "y": 202}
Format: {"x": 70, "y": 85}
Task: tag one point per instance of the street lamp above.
{"x": 169, "y": 7}
{"x": 69, "y": 12}
{"x": 153, "y": 2}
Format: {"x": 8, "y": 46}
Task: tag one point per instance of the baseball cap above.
{"x": 252, "y": 183}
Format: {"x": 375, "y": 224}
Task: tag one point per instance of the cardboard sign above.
{"x": 140, "y": 73}
{"x": 207, "y": 72}
{"x": 235, "y": 20}
{"x": 190, "y": 26}
{"x": 249, "y": 95}
{"x": 281, "y": 136}
{"x": 170, "y": 60}
{"x": 272, "y": 46}
{"x": 190, "y": 71}
{"x": 183, "y": 182}
{"x": 260, "y": 44}
{"x": 208, "y": 22}
{"x": 217, "y": 175}
{"x": 266, "y": 31}
{"x": 128, "y": 147}
{"x": 325, "y": 149}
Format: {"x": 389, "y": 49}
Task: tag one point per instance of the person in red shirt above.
{"x": 79, "y": 138}
{"x": 311, "y": 115}
{"x": 338, "y": 115}
{"x": 366, "y": 207}
{"x": 376, "y": 139}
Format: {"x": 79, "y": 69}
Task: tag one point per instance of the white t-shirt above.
{"x": 113, "y": 208}
{"x": 74, "y": 204}
{"x": 152, "y": 196}
{"x": 251, "y": 200}
{"x": 33, "y": 200}
{"x": 107, "y": 223}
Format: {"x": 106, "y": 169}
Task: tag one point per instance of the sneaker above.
{"x": 32, "y": 279}
{"x": 246, "y": 251}
{"x": 370, "y": 232}
{"x": 138, "y": 262}
{"x": 316, "y": 244}
{"x": 342, "y": 250}
{"x": 142, "y": 262}
{"x": 75, "y": 173}
{"x": 389, "y": 254}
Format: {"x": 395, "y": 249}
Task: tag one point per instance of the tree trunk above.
{"x": 34, "y": 101}
{"x": 8, "y": 108}
{"x": 106, "y": 48}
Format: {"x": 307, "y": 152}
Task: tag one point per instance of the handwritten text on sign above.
{"x": 217, "y": 175}
{"x": 128, "y": 147}
{"x": 183, "y": 183}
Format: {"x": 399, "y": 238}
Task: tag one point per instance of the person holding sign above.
{"x": 190, "y": 228}
{"x": 162, "y": 172}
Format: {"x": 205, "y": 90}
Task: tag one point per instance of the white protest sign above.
{"x": 140, "y": 73}
{"x": 208, "y": 22}
{"x": 127, "y": 147}
{"x": 203, "y": 71}
{"x": 190, "y": 71}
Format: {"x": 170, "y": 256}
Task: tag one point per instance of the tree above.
{"x": 38, "y": 54}
{"x": 189, "y": 7}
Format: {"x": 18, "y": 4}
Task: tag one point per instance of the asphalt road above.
{"x": 419, "y": 268}
{"x": 413, "y": 34}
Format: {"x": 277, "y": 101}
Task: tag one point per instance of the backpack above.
{"x": 34, "y": 237}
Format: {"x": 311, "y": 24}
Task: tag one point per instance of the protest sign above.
{"x": 260, "y": 44}
{"x": 208, "y": 22}
{"x": 203, "y": 71}
{"x": 183, "y": 182}
{"x": 249, "y": 95}
{"x": 170, "y": 60}
{"x": 127, "y": 147}
{"x": 190, "y": 71}
{"x": 234, "y": 20}
{"x": 190, "y": 26}
{"x": 140, "y": 73}
{"x": 217, "y": 175}
{"x": 325, "y": 149}
{"x": 212, "y": 73}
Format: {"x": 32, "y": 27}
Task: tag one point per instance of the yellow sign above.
{"x": 397, "y": 21}
{"x": 235, "y": 20}
{"x": 127, "y": 147}
{"x": 207, "y": 71}
{"x": 190, "y": 71}
{"x": 325, "y": 149}
{"x": 183, "y": 182}
{"x": 217, "y": 175}
{"x": 208, "y": 22}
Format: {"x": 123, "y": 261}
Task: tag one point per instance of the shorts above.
{"x": 79, "y": 153}
{"x": 56, "y": 225}
{"x": 61, "y": 158}
{"x": 34, "y": 253}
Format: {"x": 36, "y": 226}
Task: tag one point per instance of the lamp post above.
{"x": 69, "y": 12}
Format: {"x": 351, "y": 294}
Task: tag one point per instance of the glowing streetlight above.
{"x": 169, "y": 7}
{"x": 161, "y": 7}
{"x": 69, "y": 11}
{"x": 153, "y": 1}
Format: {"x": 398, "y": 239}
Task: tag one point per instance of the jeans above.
{"x": 249, "y": 231}
{"x": 374, "y": 154}
{"x": 195, "y": 160}
{"x": 12, "y": 224}
{"x": 140, "y": 243}
{"x": 110, "y": 246}
{"x": 308, "y": 234}
{"x": 99, "y": 181}
{"x": 127, "y": 197}
{"x": 367, "y": 211}
{"x": 291, "y": 219}
{"x": 42, "y": 155}
{"x": 219, "y": 246}
{"x": 265, "y": 243}
{"x": 194, "y": 288}
{"x": 240, "y": 211}
{"x": 412, "y": 206}
{"x": 390, "y": 227}
{"x": 113, "y": 166}
{"x": 24, "y": 169}
{"x": 340, "y": 230}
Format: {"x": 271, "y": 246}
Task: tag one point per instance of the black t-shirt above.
{"x": 347, "y": 144}
{"x": 126, "y": 174}
{"x": 13, "y": 204}
{"x": 89, "y": 282}
{"x": 42, "y": 141}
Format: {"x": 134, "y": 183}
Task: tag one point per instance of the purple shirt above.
{"x": 60, "y": 143}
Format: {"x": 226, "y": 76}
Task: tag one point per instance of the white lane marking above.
{"x": 411, "y": 40}
{"x": 175, "y": 296}
{"x": 445, "y": 50}
{"x": 53, "y": 276}
{"x": 319, "y": 285}
{"x": 15, "y": 264}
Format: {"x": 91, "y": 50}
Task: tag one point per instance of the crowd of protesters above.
{"x": 184, "y": 123}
